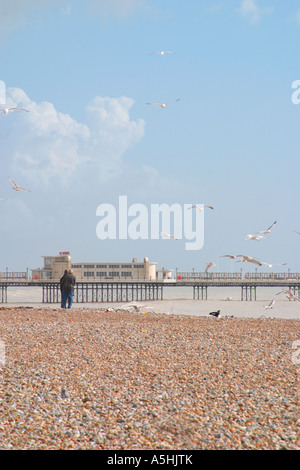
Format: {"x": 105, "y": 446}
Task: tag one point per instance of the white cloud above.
{"x": 46, "y": 143}
{"x": 70, "y": 168}
{"x": 250, "y": 10}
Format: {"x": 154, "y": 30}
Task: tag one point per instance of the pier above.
{"x": 248, "y": 287}
{"x": 98, "y": 292}
{"x": 129, "y": 291}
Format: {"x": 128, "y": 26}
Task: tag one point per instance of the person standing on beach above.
{"x": 67, "y": 284}
{"x": 63, "y": 295}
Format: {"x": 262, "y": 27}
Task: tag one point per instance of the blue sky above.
{"x": 84, "y": 72}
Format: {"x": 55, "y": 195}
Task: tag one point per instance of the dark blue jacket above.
{"x": 68, "y": 282}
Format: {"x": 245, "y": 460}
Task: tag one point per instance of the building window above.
{"x": 112, "y": 266}
{"x": 88, "y": 274}
{"x": 126, "y": 274}
{"x": 87, "y": 266}
{"x": 76, "y": 266}
{"x": 113, "y": 274}
{"x": 126, "y": 266}
{"x": 99, "y": 266}
{"x": 139, "y": 266}
{"x": 101, "y": 274}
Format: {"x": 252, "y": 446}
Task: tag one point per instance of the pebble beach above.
{"x": 93, "y": 379}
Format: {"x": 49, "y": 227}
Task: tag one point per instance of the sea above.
{"x": 179, "y": 300}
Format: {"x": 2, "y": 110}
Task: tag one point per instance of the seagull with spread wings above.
{"x": 168, "y": 235}
{"x": 249, "y": 259}
{"x": 289, "y": 295}
{"x": 209, "y": 265}
{"x": 163, "y": 105}
{"x": 270, "y": 265}
{"x": 16, "y": 187}
{"x": 268, "y": 230}
{"x": 270, "y": 305}
{"x": 249, "y": 236}
{"x": 199, "y": 208}
{"x": 6, "y": 110}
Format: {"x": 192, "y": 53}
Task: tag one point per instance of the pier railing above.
{"x": 98, "y": 292}
{"x": 10, "y": 276}
{"x": 195, "y": 276}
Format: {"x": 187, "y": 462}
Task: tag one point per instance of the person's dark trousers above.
{"x": 64, "y": 295}
{"x": 70, "y": 294}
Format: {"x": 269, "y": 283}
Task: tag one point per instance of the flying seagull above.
{"x": 289, "y": 295}
{"x": 163, "y": 105}
{"x": 297, "y": 232}
{"x": 268, "y": 229}
{"x": 199, "y": 208}
{"x": 270, "y": 265}
{"x": 209, "y": 265}
{"x": 6, "y": 110}
{"x": 270, "y": 305}
{"x": 215, "y": 314}
{"x": 131, "y": 306}
{"x": 16, "y": 187}
{"x": 249, "y": 260}
{"x": 249, "y": 236}
{"x": 229, "y": 256}
{"x": 164, "y": 234}
{"x": 162, "y": 52}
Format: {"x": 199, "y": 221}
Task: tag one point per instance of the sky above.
{"x": 85, "y": 72}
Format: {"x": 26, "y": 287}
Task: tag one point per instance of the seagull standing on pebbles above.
{"x": 16, "y": 187}
{"x": 163, "y": 105}
{"x": 6, "y": 110}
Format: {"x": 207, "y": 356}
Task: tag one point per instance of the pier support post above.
{"x": 3, "y": 298}
{"x": 248, "y": 292}
{"x": 200, "y": 289}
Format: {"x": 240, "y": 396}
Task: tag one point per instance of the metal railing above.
{"x": 195, "y": 276}
{"x": 13, "y": 275}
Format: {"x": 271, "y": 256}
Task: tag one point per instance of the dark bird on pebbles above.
{"x": 215, "y": 314}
